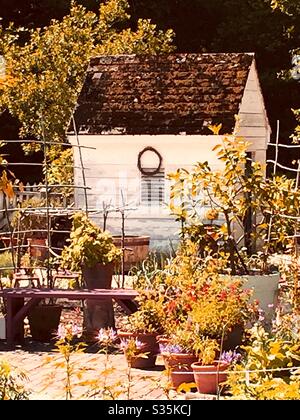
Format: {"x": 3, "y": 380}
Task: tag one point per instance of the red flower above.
{"x": 223, "y": 295}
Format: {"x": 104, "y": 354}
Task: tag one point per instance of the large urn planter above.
{"x": 265, "y": 290}
{"x": 44, "y": 321}
{"x": 136, "y": 249}
{"x": 179, "y": 366}
{"x": 98, "y": 313}
{"x": 209, "y": 377}
{"x": 149, "y": 349}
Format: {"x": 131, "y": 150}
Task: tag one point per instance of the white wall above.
{"x": 112, "y": 167}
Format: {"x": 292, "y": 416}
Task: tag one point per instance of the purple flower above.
{"x": 230, "y": 356}
{"x": 76, "y": 330}
{"x": 61, "y": 332}
{"x": 106, "y": 335}
{"x": 126, "y": 343}
{"x": 68, "y": 331}
{"x": 171, "y": 348}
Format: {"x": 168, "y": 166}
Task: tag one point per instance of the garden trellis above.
{"x": 8, "y": 206}
{"x": 278, "y": 146}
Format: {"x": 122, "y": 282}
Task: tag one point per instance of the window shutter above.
{"x": 153, "y": 189}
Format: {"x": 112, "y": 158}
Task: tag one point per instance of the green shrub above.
{"x": 5, "y": 264}
{"x": 11, "y": 383}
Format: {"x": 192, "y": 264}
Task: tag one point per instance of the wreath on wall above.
{"x": 139, "y": 162}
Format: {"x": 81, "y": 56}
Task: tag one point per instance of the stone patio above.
{"x": 45, "y": 381}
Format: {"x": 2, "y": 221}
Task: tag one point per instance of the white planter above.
{"x": 2, "y": 328}
{"x": 265, "y": 290}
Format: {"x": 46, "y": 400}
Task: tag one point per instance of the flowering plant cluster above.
{"x": 66, "y": 345}
{"x": 187, "y": 341}
{"x": 221, "y": 304}
{"x": 192, "y": 304}
{"x": 272, "y": 363}
{"x": 150, "y": 316}
{"x": 199, "y": 299}
{"x": 132, "y": 347}
{"x": 107, "y": 337}
{"x": 230, "y": 357}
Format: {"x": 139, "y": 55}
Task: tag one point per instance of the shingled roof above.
{"x": 163, "y": 94}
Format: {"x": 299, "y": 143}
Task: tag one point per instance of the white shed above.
{"x": 146, "y": 113}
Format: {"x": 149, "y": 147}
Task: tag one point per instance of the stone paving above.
{"x": 45, "y": 381}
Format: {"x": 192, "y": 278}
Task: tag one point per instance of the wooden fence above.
{"x": 28, "y": 191}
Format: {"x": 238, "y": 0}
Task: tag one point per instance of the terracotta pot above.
{"x": 150, "y": 348}
{"x": 44, "y": 321}
{"x": 208, "y": 377}
{"x": 7, "y": 241}
{"x": 162, "y": 340}
{"x": 99, "y": 276}
{"x": 179, "y": 365}
{"x": 38, "y": 248}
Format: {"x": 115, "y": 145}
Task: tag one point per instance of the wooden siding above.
{"x": 253, "y": 121}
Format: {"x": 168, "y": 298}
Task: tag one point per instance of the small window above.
{"x": 153, "y": 188}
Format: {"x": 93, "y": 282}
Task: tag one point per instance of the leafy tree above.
{"x": 287, "y": 6}
{"x": 292, "y": 9}
{"x": 47, "y": 71}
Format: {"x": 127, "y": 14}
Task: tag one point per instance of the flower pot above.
{"x": 137, "y": 249}
{"x": 98, "y": 313}
{"x": 44, "y": 321}
{"x": 99, "y": 276}
{"x": 179, "y": 365}
{"x": 162, "y": 340}
{"x": 38, "y": 248}
{"x": 208, "y": 377}
{"x": 7, "y": 242}
{"x": 149, "y": 348}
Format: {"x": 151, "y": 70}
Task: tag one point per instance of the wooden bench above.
{"x": 18, "y": 309}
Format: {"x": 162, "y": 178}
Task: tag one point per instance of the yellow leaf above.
{"x": 215, "y": 128}
{"x": 216, "y": 147}
{"x": 186, "y": 387}
{"x": 9, "y": 190}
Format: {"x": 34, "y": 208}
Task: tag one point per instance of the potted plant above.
{"x": 210, "y": 371}
{"x": 243, "y": 210}
{"x": 93, "y": 253}
{"x": 195, "y": 292}
{"x": 201, "y": 304}
{"x": 144, "y": 326}
{"x": 45, "y": 317}
{"x": 178, "y": 356}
